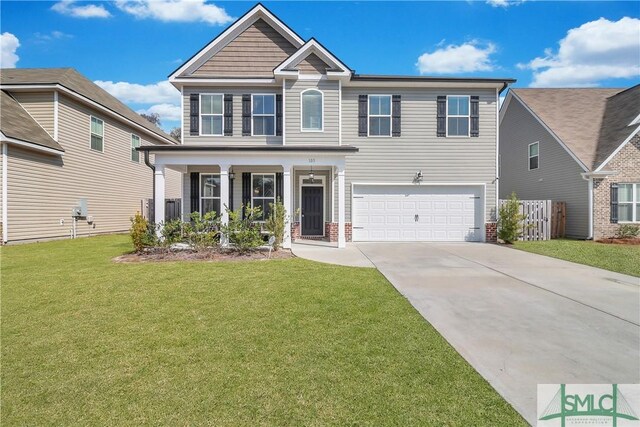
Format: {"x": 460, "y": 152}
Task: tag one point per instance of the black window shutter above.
{"x": 279, "y": 186}
{"x": 195, "y": 192}
{"x": 396, "y": 126}
{"x": 442, "y": 116}
{"x": 362, "y": 115}
{"x": 230, "y": 194}
{"x": 475, "y": 116}
{"x": 246, "y": 115}
{"x": 614, "y": 203}
{"x": 228, "y": 115}
{"x": 246, "y": 191}
{"x": 194, "y": 114}
{"x": 278, "y": 115}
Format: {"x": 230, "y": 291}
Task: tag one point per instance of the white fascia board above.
{"x": 422, "y": 84}
{"x": 635, "y": 121}
{"x": 312, "y": 46}
{"x": 202, "y": 158}
{"x": 186, "y": 81}
{"x": 259, "y": 11}
{"x": 600, "y": 174}
{"x": 90, "y": 102}
{"x": 548, "y": 129}
{"x": 31, "y": 145}
{"x": 617, "y": 150}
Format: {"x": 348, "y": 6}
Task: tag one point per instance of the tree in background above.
{"x": 176, "y": 133}
{"x": 152, "y": 117}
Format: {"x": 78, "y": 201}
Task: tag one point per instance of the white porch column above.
{"x": 224, "y": 193}
{"x": 158, "y": 198}
{"x": 288, "y": 205}
{"x": 342, "y": 242}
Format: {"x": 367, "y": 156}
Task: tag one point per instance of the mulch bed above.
{"x": 617, "y": 241}
{"x": 209, "y": 256}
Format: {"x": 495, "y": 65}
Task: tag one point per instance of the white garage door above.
{"x": 451, "y": 213}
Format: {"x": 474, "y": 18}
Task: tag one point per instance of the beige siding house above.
{"x": 54, "y": 159}
{"x": 268, "y": 116}
{"x": 579, "y": 146}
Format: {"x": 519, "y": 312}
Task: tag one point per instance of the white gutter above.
{"x": 5, "y": 202}
{"x": 8, "y": 140}
{"x": 55, "y": 115}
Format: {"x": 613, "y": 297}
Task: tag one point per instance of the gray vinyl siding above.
{"x": 441, "y": 159}
{"x": 312, "y": 64}
{"x": 237, "y": 138}
{"x": 558, "y": 176}
{"x": 43, "y": 188}
{"x": 40, "y": 106}
{"x": 293, "y": 132}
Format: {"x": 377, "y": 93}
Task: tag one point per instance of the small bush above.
{"x": 203, "y": 232}
{"x": 510, "y": 220}
{"x": 628, "y": 231}
{"x": 171, "y": 232}
{"x": 275, "y": 223}
{"x": 243, "y": 232}
{"x": 142, "y": 233}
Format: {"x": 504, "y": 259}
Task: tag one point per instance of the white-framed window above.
{"x": 263, "y": 114}
{"x": 629, "y": 202}
{"x": 312, "y": 116}
{"x": 263, "y": 192}
{"x": 135, "y": 143}
{"x": 533, "y": 155}
{"x": 458, "y": 115}
{"x": 211, "y": 114}
{"x": 209, "y": 193}
{"x": 379, "y": 115}
{"x": 97, "y": 134}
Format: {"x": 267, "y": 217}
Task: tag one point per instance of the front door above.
{"x": 312, "y": 217}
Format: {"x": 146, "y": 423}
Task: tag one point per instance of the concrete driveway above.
{"x": 521, "y": 319}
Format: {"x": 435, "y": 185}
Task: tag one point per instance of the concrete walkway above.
{"x": 521, "y": 319}
{"x": 328, "y": 253}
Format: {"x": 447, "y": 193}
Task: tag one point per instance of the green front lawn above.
{"x": 86, "y": 341}
{"x": 620, "y": 258}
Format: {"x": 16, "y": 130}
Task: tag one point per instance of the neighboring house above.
{"x": 269, "y": 115}
{"x": 578, "y": 146}
{"x": 64, "y": 141}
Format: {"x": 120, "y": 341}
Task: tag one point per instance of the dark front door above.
{"x": 312, "y": 218}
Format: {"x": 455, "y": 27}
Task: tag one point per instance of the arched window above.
{"x": 312, "y": 106}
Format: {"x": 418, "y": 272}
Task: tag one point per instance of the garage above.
{"x": 414, "y": 213}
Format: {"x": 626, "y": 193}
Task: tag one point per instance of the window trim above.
{"x": 273, "y": 174}
{"x": 200, "y": 192}
{"x": 468, "y": 116}
{"x": 91, "y": 117}
{"x": 390, "y": 115}
{"x": 200, "y": 114}
{"x": 635, "y": 212}
{"x": 133, "y": 135}
{"x": 529, "y": 156}
{"x": 312, "y": 89}
{"x": 264, "y": 115}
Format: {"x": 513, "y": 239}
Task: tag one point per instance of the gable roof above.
{"x": 80, "y": 85}
{"x": 577, "y": 117}
{"x": 313, "y": 47}
{"x": 17, "y": 124}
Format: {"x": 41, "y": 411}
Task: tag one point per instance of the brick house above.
{"x": 580, "y": 146}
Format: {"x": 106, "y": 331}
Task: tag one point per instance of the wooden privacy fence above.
{"x": 544, "y": 219}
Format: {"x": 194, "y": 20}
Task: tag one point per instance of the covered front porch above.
{"x": 310, "y": 182}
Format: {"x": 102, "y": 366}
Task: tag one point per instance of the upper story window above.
{"x": 211, "y": 114}
{"x": 312, "y": 110}
{"x": 629, "y": 202}
{"x": 534, "y": 155}
{"x": 97, "y": 134}
{"x": 263, "y": 111}
{"x": 135, "y": 143}
{"x": 458, "y": 115}
{"x": 379, "y": 115}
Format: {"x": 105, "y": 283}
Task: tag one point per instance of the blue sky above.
{"x": 130, "y": 47}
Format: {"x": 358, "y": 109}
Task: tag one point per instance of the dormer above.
{"x": 312, "y": 59}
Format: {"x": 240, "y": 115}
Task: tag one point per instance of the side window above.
{"x": 97, "y": 134}
{"x": 534, "y": 155}
{"x": 457, "y": 115}
{"x": 312, "y": 104}
{"x": 135, "y": 143}
{"x": 379, "y": 115}
{"x": 211, "y": 115}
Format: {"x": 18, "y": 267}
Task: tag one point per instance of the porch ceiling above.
{"x": 337, "y": 149}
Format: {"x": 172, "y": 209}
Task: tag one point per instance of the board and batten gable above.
{"x": 558, "y": 176}
{"x": 43, "y": 188}
{"x": 441, "y": 159}
{"x": 40, "y": 106}
{"x": 293, "y": 126}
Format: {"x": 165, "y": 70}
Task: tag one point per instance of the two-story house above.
{"x": 269, "y": 115}
{"x": 69, "y": 165}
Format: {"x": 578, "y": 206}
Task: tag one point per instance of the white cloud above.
{"x": 165, "y": 111}
{"x": 161, "y": 92}
{"x": 9, "y": 44}
{"x": 595, "y": 51}
{"x": 464, "y": 58}
{"x": 176, "y": 10}
{"x": 504, "y": 3}
{"x": 71, "y": 8}
{"x": 53, "y": 35}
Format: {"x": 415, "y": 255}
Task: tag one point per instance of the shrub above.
{"x": 243, "y": 232}
{"x": 628, "y": 231}
{"x": 203, "y": 232}
{"x": 275, "y": 223}
{"x": 142, "y": 233}
{"x": 171, "y": 232}
{"x": 510, "y": 220}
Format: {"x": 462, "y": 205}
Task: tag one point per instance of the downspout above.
{"x": 5, "y": 192}
{"x": 153, "y": 182}
{"x": 589, "y": 179}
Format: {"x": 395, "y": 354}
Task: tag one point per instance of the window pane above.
{"x": 374, "y": 105}
{"x": 533, "y": 150}
{"x": 269, "y": 104}
{"x": 135, "y": 155}
{"x": 135, "y": 141}
{"x": 268, "y": 186}
{"x": 216, "y": 104}
{"x": 212, "y": 125}
{"x": 638, "y": 192}
{"x": 205, "y": 104}
{"x": 458, "y": 126}
{"x": 385, "y": 105}
{"x": 453, "y": 106}
{"x": 533, "y": 162}
{"x": 625, "y": 212}
{"x": 210, "y": 186}
{"x": 263, "y": 204}
{"x": 258, "y": 104}
{"x": 374, "y": 125}
{"x": 463, "y": 106}
{"x": 625, "y": 192}
{"x": 97, "y": 126}
{"x": 210, "y": 205}
{"x": 312, "y": 110}
{"x": 257, "y": 186}
{"x": 264, "y": 125}
{"x": 96, "y": 142}
{"x": 380, "y": 126}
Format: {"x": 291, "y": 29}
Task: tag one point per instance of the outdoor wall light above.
{"x": 418, "y": 176}
{"x": 231, "y": 175}
{"x": 311, "y": 175}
